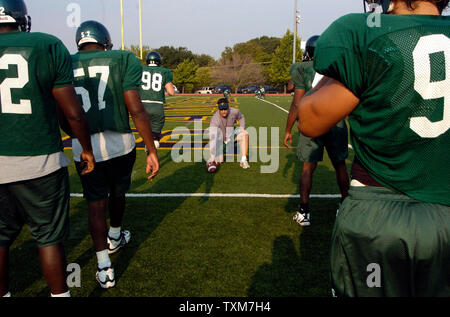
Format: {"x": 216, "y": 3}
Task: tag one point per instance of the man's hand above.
{"x": 152, "y": 165}
{"x": 287, "y": 139}
{"x": 87, "y": 161}
{"x": 212, "y": 159}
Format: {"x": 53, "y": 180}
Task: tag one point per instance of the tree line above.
{"x": 264, "y": 60}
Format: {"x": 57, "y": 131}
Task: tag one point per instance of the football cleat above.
{"x": 15, "y": 12}
{"x": 114, "y": 245}
{"x": 93, "y": 32}
{"x": 105, "y": 277}
{"x": 244, "y": 165}
{"x": 154, "y": 59}
{"x": 303, "y": 219}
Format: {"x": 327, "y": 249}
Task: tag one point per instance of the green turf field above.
{"x": 206, "y": 245}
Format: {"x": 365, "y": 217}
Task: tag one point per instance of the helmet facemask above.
{"x": 378, "y": 6}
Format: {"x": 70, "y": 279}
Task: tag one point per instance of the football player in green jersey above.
{"x": 310, "y": 150}
{"x": 156, "y": 83}
{"x": 36, "y": 80}
{"x": 108, "y": 83}
{"x": 262, "y": 92}
{"x": 226, "y": 93}
{"x": 390, "y": 75}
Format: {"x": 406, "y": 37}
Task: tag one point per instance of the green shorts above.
{"x": 155, "y": 112}
{"x": 41, "y": 203}
{"x": 335, "y": 141}
{"x": 387, "y": 244}
{"x": 111, "y": 177}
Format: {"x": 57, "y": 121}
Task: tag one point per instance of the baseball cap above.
{"x": 223, "y": 105}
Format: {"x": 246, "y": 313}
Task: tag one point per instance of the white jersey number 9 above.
{"x": 426, "y": 46}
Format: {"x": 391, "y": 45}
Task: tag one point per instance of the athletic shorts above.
{"x": 111, "y": 177}
{"x": 387, "y": 244}
{"x": 155, "y": 112}
{"x": 335, "y": 141}
{"x": 41, "y": 203}
{"x": 230, "y": 147}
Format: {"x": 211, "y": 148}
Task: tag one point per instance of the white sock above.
{"x": 103, "y": 259}
{"x": 244, "y": 158}
{"x": 114, "y": 232}
{"x": 66, "y": 294}
{"x": 7, "y": 294}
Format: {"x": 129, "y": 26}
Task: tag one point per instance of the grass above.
{"x": 205, "y": 246}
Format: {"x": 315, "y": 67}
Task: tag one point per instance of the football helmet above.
{"x": 15, "y": 12}
{"x": 377, "y": 6}
{"x": 308, "y": 55}
{"x": 154, "y": 59}
{"x": 93, "y": 32}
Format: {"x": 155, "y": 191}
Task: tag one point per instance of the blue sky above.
{"x": 203, "y": 26}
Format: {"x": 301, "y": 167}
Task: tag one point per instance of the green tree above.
{"x": 239, "y": 71}
{"x": 227, "y": 54}
{"x": 172, "y": 56}
{"x": 260, "y": 49}
{"x": 203, "y": 77}
{"x": 204, "y": 60}
{"x": 184, "y": 75}
{"x": 136, "y": 50}
{"x": 282, "y": 60}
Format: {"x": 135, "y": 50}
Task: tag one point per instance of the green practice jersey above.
{"x": 302, "y": 75}
{"x": 400, "y": 70}
{"x": 154, "y": 79}
{"x": 31, "y": 65}
{"x": 101, "y": 78}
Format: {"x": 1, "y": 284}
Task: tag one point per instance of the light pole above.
{"x": 140, "y": 27}
{"x": 296, "y": 22}
{"x": 121, "y": 23}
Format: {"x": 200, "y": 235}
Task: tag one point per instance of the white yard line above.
{"x": 349, "y": 145}
{"x": 275, "y": 105}
{"x": 228, "y": 195}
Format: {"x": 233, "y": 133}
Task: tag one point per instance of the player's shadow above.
{"x": 323, "y": 182}
{"x": 293, "y": 164}
{"x": 24, "y": 257}
{"x": 295, "y": 273}
{"x": 25, "y": 269}
{"x": 148, "y": 214}
{"x": 283, "y": 276}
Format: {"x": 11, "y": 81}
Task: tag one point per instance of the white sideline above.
{"x": 233, "y": 195}
{"x": 274, "y": 105}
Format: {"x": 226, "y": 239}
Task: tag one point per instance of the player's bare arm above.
{"x": 170, "y": 90}
{"x": 143, "y": 125}
{"x": 68, "y": 103}
{"x": 292, "y": 116}
{"x": 317, "y": 116}
{"x": 322, "y": 82}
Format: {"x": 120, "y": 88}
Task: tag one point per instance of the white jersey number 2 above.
{"x": 7, "y": 106}
{"x": 426, "y": 46}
